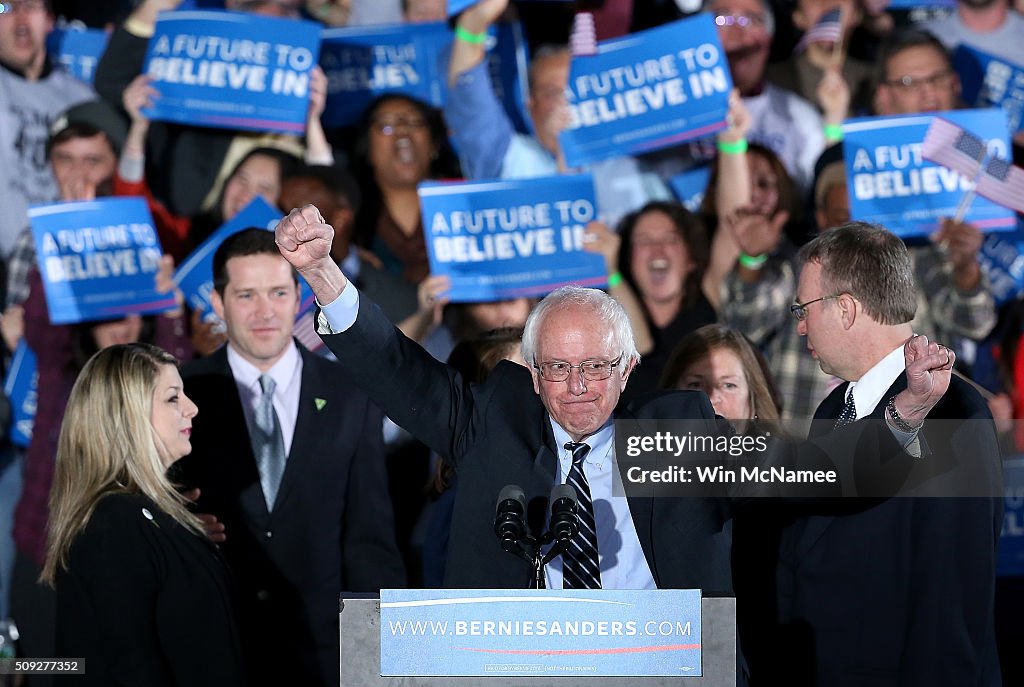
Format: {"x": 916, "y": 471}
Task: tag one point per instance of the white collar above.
{"x": 869, "y": 389}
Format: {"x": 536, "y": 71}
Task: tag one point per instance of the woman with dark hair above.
{"x": 402, "y": 141}
{"x": 663, "y": 257}
{"x": 142, "y": 595}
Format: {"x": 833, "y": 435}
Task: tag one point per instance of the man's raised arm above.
{"x": 304, "y": 239}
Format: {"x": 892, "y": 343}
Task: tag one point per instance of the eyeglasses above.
{"x": 24, "y": 5}
{"x": 656, "y": 241}
{"x": 743, "y": 21}
{"x": 940, "y": 80}
{"x": 799, "y": 310}
{"x": 592, "y": 370}
{"x": 389, "y": 127}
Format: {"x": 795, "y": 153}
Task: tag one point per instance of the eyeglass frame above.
{"x": 387, "y": 128}
{"x": 797, "y": 308}
{"x": 612, "y": 364}
{"x": 9, "y": 6}
{"x": 909, "y": 84}
{"x": 741, "y": 21}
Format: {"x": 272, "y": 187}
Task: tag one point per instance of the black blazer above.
{"x": 899, "y": 591}
{"x": 498, "y": 433}
{"x": 332, "y": 526}
{"x": 146, "y": 602}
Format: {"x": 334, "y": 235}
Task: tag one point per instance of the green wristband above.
{"x": 614, "y": 279}
{"x": 734, "y": 148}
{"x": 470, "y": 37}
{"x": 833, "y": 133}
{"x": 753, "y": 262}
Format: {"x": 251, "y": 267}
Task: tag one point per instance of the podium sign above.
{"x": 545, "y": 632}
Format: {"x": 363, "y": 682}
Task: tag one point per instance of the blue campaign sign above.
{"x": 890, "y": 182}
{"x": 988, "y": 81}
{"x": 79, "y": 50}
{"x": 647, "y": 90}
{"x": 540, "y": 632}
{"x": 98, "y": 259}
{"x": 508, "y": 65}
{"x": 689, "y": 186}
{"x": 365, "y": 61}
{"x": 22, "y": 388}
{"x": 914, "y": 4}
{"x": 195, "y": 275}
{"x": 232, "y": 70}
{"x": 1011, "y": 542}
{"x": 1002, "y": 259}
{"x": 506, "y": 239}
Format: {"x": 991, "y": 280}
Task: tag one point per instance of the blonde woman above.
{"x": 141, "y": 593}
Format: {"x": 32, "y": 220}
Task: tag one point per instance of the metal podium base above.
{"x": 360, "y": 655}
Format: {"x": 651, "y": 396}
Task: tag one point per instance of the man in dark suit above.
{"x": 889, "y": 591}
{"x": 526, "y": 429}
{"x": 304, "y": 503}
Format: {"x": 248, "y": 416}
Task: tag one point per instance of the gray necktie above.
{"x": 268, "y": 442}
{"x": 849, "y": 413}
{"x": 580, "y": 562}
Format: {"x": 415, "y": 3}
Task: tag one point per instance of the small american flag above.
{"x": 828, "y": 29}
{"x": 1002, "y": 183}
{"x": 305, "y": 331}
{"x": 950, "y": 146}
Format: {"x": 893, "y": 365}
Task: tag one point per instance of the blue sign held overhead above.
{"x": 98, "y": 259}
{"x": 540, "y": 632}
{"x": 195, "y": 275}
{"x": 79, "y": 50}
{"x": 689, "y": 187}
{"x": 989, "y": 81}
{"x": 21, "y": 386}
{"x": 890, "y": 183}
{"x": 232, "y": 70}
{"x": 505, "y": 239}
{"x": 365, "y": 61}
{"x": 647, "y": 90}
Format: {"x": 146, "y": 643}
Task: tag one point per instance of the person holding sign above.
{"x": 195, "y": 161}
{"x": 488, "y": 144}
{"x": 142, "y": 595}
{"x": 33, "y": 92}
{"x": 402, "y": 141}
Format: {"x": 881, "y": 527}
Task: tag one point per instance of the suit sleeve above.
{"x": 371, "y": 557}
{"x": 421, "y": 394}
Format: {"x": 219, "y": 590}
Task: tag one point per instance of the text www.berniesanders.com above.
{"x": 539, "y": 628}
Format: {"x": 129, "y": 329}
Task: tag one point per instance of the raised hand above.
{"x": 304, "y": 239}
{"x": 929, "y": 368}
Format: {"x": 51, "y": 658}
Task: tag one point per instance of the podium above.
{"x": 359, "y": 621}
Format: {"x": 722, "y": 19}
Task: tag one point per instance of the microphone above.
{"x": 509, "y": 512}
{"x": 565, "y": 523}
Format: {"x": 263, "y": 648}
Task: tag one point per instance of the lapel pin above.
{"x": 320, "y": 403}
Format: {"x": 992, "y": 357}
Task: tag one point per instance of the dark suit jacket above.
{"x": 499, "y": 433}
{"x": 898, "y": 591}
{"x": 146, "y": 602}
{"x": 332, "y": 526}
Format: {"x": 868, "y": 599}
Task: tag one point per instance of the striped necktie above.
{"x": 268, "y": 442}
{"x": 581, "y": 569}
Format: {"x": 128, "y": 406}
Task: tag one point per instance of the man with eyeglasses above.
{"x": 893, "y": 591}
{"x": 551, "y": 426}
{"x": 33, "y": 94}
